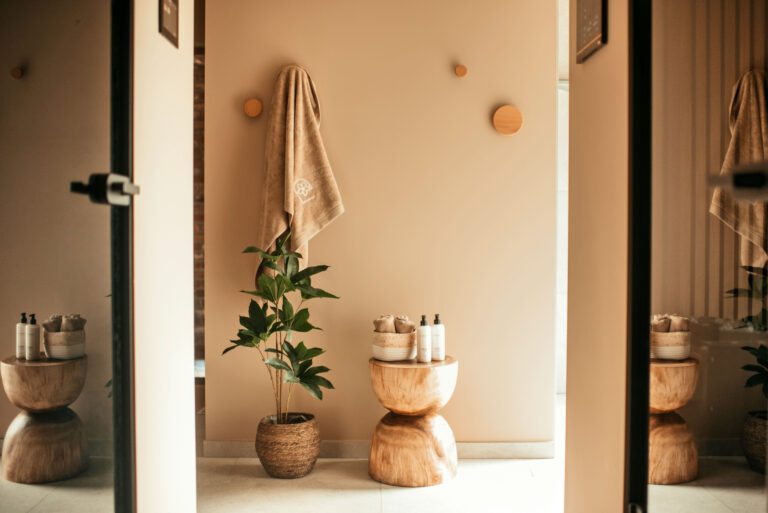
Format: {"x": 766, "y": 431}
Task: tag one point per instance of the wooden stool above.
{"x": 45, "y": 442}
{"x": 413, "y": 445}
{"x": 672, "y": 454}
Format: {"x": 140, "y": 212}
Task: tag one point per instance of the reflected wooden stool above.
{"x": 672, "y": 454}
{"x": 413, "y": 445}
{"x": 45, "y": 442}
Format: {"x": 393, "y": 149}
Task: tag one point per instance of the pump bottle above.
{"x": 20, "y": 334}
{"x": 424, "y": 341}
{"x": 32, "y": 339}
{"x": 438, "y": 340}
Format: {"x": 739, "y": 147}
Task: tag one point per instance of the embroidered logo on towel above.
{"x": 303, "y": 190}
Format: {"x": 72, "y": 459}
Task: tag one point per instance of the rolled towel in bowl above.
{"x": 384, "y": 324}
{"x": 678, "y": 323}
{"x": 53, "y": 324}
{"x": 660, "y": 323}
{"x": 403, "y": 324}
{"x": 72, "y": 323}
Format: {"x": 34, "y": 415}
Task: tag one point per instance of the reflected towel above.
{"x": 300, "y": 190}
{"x": 748, "y": 122}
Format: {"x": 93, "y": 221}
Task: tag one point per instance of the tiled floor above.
{"x": 228, "y": 485}
{"x": 724, "y": 485}
{"x": 339, "y": 486}
{"x": 90, "y": 492}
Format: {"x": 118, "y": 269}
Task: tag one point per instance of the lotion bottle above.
{"x": 424, "y": 341}
{"x": 32, "y": 339}
{"x": 20, "y": 334}
{"x": 438, "y": 340}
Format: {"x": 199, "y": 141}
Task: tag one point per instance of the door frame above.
{"x": 121, "y": 150}
{"x": 639, "y": 264}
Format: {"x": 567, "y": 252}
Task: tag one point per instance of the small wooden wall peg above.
{"x": 253, "y": 107}
{"x": 17, "y": 72}
{"x": 460, "y": 70}
{"x": 507, "y": 119}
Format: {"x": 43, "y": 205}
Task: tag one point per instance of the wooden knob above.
{"x": 507, "y": 119}
{"x": 460, "y": 70}
{"x": 253, "y": 108}
{"x": 17, "y": 72}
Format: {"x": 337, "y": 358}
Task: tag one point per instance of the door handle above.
{"x": 107, "y": 189}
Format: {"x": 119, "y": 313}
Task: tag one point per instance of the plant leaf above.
{"x": 756, "y": 379}
{"x": 310, "y": 292}
{"x": 317, "y": 380}
{"x": 277, "y": 363}
{"x": 317, "y": 370}
{"x": 307, "y": 272}
{"x": 230, "y": 348}
{"x": 313, "y": 390}
{"x": 301, "y": 323}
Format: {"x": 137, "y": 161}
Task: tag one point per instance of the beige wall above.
{"x": 163, "y": 318}
{"x": 700, "y": 49}
{"x": 597, "y": 272}
{"x": 54, "y": 128}
{"x": 443, "y": 214}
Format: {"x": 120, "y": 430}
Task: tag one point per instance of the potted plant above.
{"x": 757, "y": 280}
{"x": 287, "y": 443}
{"x": 753, "y": 436}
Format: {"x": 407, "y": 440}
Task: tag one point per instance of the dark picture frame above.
{"x": 591, "y": 27}
{"x": 168, "y": 20}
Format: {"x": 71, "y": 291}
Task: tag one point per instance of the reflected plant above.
{"x": 273, "y": 316}
{"x": 757, "y": 281}
{"x": 760, "y": 376}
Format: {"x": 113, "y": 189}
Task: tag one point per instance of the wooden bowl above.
{"x": 64, "y": 345}
{"x": 412, "y": 388}
{"x": 43, "y": 385}
{"x": 394, "y": 347}
{"x": 672, "y": 345}
{"x": 673, "y": 384}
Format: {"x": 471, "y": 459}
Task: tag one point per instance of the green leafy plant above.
{"x": 760, "y": 376}
{"x": 274, "y": 316}
{"x": 757, "y": 281}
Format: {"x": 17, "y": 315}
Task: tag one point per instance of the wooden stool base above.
{"x": 44, "y": 447}
{"x": 412, "y": 450}
{"x": 672, "y": 454}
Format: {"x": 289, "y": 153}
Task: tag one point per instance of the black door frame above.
{"x": 122, "y": 260}
{"x": 639, "y": 264}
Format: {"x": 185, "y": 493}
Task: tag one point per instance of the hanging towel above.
{"x": 748, "y": 120}
{"x": 300, "y": 191}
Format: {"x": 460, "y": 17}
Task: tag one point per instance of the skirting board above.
{"x": 359, "y": 449}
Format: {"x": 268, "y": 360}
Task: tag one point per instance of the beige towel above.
{"x": 748, "y": 122}
{"x": 300, "y": 190}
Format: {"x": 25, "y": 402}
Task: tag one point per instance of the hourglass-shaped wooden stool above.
{"x": 45, "y": 442}
{"x": 672, "y": 454}
{"x": 413, "y": 445}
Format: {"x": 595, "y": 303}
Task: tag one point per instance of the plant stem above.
{"x": 269, "y": 369}
{"x": 288, "y": 402}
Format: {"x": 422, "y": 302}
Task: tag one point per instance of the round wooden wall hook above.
{"x": 507, "y": 119}
{"x": 460, "y": 70}
{"x": 253, "y": 107}
{"x": 17, "y": 72}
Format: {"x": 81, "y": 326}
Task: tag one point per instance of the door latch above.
{"x": 107, "y": 188}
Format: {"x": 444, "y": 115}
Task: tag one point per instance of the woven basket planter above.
{"x": 288, "y": 451}
{"x": 753, "y": 440}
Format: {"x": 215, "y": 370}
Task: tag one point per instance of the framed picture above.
{"x": 591, "y": 27}
{"x": 169, "y": 20}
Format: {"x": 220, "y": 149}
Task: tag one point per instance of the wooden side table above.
{"x": 672, "y": 454}
{"x": 413, "y": 445}
{"x": 45, "y": 442}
